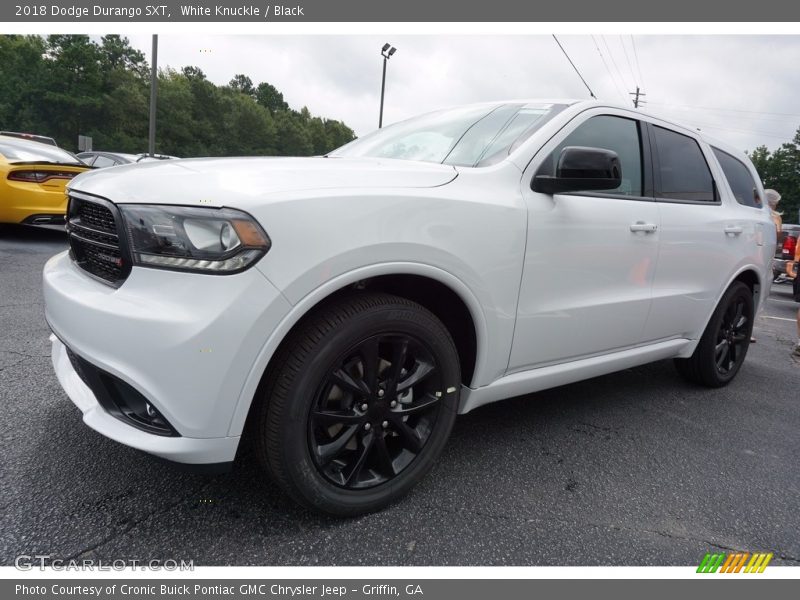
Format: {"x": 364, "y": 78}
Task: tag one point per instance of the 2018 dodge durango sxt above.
{"x": 348, "y": 307}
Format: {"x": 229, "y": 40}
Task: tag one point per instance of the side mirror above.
{"x": 580, "y": 169}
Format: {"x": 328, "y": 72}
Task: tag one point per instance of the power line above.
{"x": 751, "y": 131}
{"x": 636, "y": 57}
{"x": 610, "y": 74}
{"x": 757, "y": 117}
{"x": 591, "y": 93}
{"x": 737, "y": 110}
{"x": 628, "y": 60}
{"x": 614, "y": 62}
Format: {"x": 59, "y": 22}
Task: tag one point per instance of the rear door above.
{"x": 703, "y": 237}
{"x": 589, "y": 259}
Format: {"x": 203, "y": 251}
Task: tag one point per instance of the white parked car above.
{"x": 346, "y": 308}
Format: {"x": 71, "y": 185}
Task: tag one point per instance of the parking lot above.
{"x": 634, "y": 468}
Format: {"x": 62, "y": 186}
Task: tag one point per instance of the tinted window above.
{"x": 682, "y": 167}
{"x": 738, "y": 175}
{"x": 612, "y": 133}
{"x": 104, "y": 161}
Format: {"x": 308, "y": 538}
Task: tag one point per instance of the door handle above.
{"x": 642, "y": 226}
{"x": 733, "y": 229}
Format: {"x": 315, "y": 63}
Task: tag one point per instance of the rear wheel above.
{"x": 359, "y": 404}
{"x": 723, "y": 346}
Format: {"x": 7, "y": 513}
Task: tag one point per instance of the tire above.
{"x": 358, "y": 404}
{"x": 722, "y": 348}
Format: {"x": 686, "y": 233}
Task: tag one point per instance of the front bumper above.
{"x": 185, "y": 342}
{"x": 177, "y": 449}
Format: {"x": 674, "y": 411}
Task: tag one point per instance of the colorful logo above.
{"x": 735, "y": 563}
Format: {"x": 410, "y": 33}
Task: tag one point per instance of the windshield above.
{"x": 469, "y": 136}
{"x": 25, "y": 151}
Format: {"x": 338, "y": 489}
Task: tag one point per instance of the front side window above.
{"x": 610, "y": 133}
{"x": 739, "y": 178}
{"x": 682, "y": 168}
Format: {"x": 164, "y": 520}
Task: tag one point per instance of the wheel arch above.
{"x": 747, "y": 274}
{"x": 443, "y": 294}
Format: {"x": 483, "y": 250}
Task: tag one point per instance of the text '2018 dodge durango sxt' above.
{"x": 346, "y": 308}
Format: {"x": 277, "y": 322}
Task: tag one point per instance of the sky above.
{"x": 740, "y": 89}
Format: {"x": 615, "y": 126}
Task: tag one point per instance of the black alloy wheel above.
{"x": 358, "y": 403}
{"x": 375, "y": 411}
{"x": 723, "y": 346}
{"x": 733, "y": 337}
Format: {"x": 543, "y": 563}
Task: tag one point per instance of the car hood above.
{"x": 244, "y": 181}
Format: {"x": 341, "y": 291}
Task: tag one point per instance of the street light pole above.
{"x": 151, "y": 146}
{"x": 386, "y": 52}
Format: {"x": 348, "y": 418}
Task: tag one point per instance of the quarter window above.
{"x": 684, "y": 173}
{"x": 739, "y": 178}
{"x": 611, "y": 133}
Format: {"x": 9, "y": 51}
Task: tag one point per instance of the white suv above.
{"x": 345, "y": 308}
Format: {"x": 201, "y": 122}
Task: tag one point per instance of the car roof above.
{"x": 579, "y": 105}
{"x": 30, "y": 136}
{"x": 125, "y": 155}
{"x": 697, "y": 132}
{"x": 14, "y": 149}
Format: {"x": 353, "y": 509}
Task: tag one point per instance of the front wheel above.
{"x": 359, "y": 404}
{"x": 722, "y": 348}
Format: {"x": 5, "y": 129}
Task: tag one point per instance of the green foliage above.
{"x": 66, "y": 85}
{"x": 780, "y": 170}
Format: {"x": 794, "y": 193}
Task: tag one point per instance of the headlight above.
{"x": 206, "y": 240}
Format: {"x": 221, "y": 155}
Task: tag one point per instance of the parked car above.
{"x": 347, "y": 308}
{"x": 33, "y": 177}
{"x": 99, "y": 159}
{"x": 31, "y": 137}
{"x": 785, "y": 250}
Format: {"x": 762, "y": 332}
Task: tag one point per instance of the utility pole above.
{"x": 636, "y": 95}
{"x": 151, "y": 146}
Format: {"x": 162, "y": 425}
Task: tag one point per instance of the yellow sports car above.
{"x": 32, "y": 181}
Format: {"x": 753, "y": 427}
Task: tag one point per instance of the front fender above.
{"x": 486, "y": 335}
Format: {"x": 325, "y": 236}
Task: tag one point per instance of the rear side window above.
{"x": 682, "y": 168}
{"x": 104, "y": 161}
{"x": 611, "y": 133}
{"x": 739, "y": 178}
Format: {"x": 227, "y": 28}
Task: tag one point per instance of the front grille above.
{"x": 97, "y": 216}
{"x": 94, "y": 239}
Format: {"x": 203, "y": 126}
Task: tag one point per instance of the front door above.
{"x": 590, "y": 257}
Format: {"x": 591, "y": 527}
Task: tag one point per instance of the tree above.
{"x": 118, "y": 55}
{"x": 74, "y": 77}
{"x": 293, "y": 138}
{"x": 243, "y": 84}
{"x": 66, "y": 85}
{"x": 269, "y": 97}
{"x": 780, "y": 170}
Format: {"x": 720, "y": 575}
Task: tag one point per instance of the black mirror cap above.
{"x": 581, "y": 169}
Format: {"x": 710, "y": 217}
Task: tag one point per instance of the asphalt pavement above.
{"x": 634, "y": 468}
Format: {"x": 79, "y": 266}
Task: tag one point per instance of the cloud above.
{"x": 688, "y": 79}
